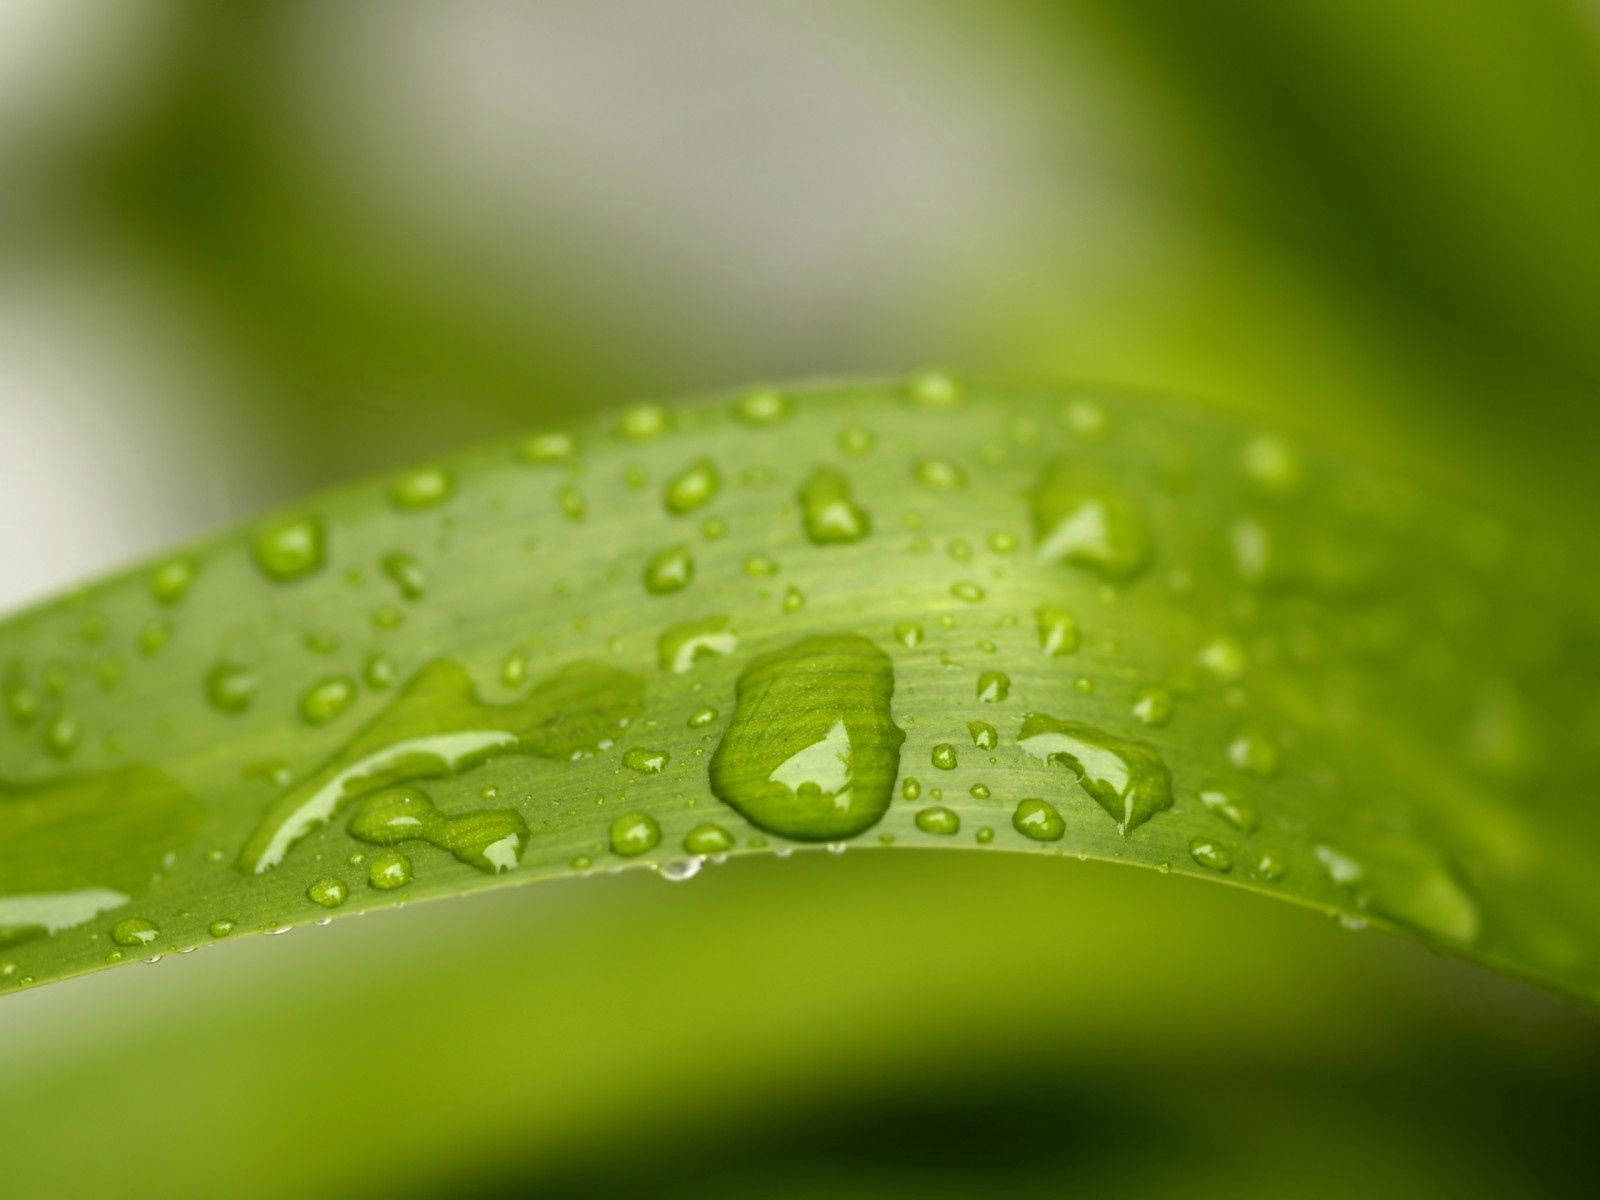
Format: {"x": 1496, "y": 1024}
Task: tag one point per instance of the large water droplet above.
{"x": 1082, "y": 519}
{"x": 812, "y": 750}
{"x": 1127, "y": 779}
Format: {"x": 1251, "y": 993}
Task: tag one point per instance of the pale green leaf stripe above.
{"x": 919, "y": 614}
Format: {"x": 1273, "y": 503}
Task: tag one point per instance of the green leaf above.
{"x": 925, "y": 614}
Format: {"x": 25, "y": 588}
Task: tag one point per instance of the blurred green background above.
{"x": 251, "y": 249}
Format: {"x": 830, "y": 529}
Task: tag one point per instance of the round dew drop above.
{"x": 646, "y": 762}
{"x": 708, "y": 839}
{"x": 762, "y": 407}
{"x": 694, "y": 486}
{"x": 290, "y": 547}
{"x": 230, "y": 688}
{"x": 327, "y": 699}
{"x": 669, "y": 571}
{"x": 939, "y": 820}
{"x": 388, "y": 871}
{"x": 993, "y": 687}
{"x": 984, "y": 735}
{"x": 634, "y": 833}
{"x": 328, "y": 893}
{"x": 170, "y": 581}
{"x": 940, "y": 474}
{"x": 1039, "y": 820}
{"x": 944, "y": 756}
{"x": 221, "y": 928}
{"x": 426, "y": 487}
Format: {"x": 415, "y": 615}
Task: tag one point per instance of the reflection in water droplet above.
{"x": 388, "y": 871}
{"x": 1083, "y": 520}
{"x": 682, "y": 645}
{"x": 1238, "y": 813}
{"x": 646, "y": 762}
{"x": 944, "y": 756}
{"x": 634, "y": 833}
{"x": 993, "y": 686}
{"x": 290, "y": 547}
{"x": 327, "y": 699}
{"x": 328, "y": 893}
{"x": 1058, "y": 631}
{"x": 230, "y": 688}
{"x": 134, "y": 931}
{"x": 671, "y": 570}
{"x": 984, "y": 735}
{"x": 939, "y": 820}
{"x": 425, "y": 487}
{"x": 812, "y": 750}
{"x": 828, "y": 511}
{"x": 492, "y": 840}
{"x": 1127, "y": 779}
{"x": 1153, "y": 706}
{"x": 696, "y": 485}
{"x": 708, "y": 839}
{"x": 1039, "y": 820}
{"x": 1211, "y": 854}
{"x": 437, "y": 726}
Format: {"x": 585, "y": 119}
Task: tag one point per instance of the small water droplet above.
{"x": 1224, "y": 658}
{"x": 634, "y": 833}
{"x": 328, "y": 892}
{"x": 909, "y": 634}
{"x": 230, "y": 688}
{"x": 1272, "y": 465}
{"x": 984, "y": 836}
{"x": 696, "y": 485}
{"x": 643, "y": 423}
{"x": 708, "y": 839}
{"x": 856, "y": 441}
{"x": 934, "y": 390}
{"x": 169, "y": 582}
{"x": 388, "y": 871}
{"x": 61, "y": 736}
{"x": 984, "y": 735}
{"x": 1238, "y": 813}
{"x": 793, "y": 600}
{"x": 1211, "y": 854}
{"x": 425, "y": 487}
{"x": 702, "y": 717}
{"x": 221, "y": 929}
{"x": 1039, "y": 820}
{"x": 940, "y": 474}
{"x": 406, "y": 573}
{"x": 290, "y": 547}
{"x": 1153, "y": 706}
{"x": 546, "y": 448}
{"x": 828, "y": 511}
{"x": 759, "y": 566}
{"x": 993, "y": 687}
{"x": 940, "y": 820}
{"x": 764, "y": 406}
{"x": 646, "y": 762}
{"x": 911, "y": 789}
{"x": 669, "y": 571}
{"x": 134, "y": 931}
{"x": 681, "y": 870}
{"x": 327, "y": 699}
{"x": 1254, "y": 752}
{"x": 968, "y": 591}
{"x": 1270, "y": 866}
{"x": 944, "y": 756}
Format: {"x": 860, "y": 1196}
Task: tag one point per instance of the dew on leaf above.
{"x": 1083, "y": 520}
{"x": 993, "y": 687}
{"x": 694, "y": 486}
{"x": 134, "y": 931}
{"x": 702, "y": 717}
{"x": 1254, "y": 752}
{"x": 1127, "y": 779}
{"x": 1210, "y": 854}
{"x": 326, "y": 699}
{"x": 492, "y": 840}
{"x": 708, "y": 839}
{"x": 1238, "y": 813}
{"x": 643, "y": 423}
{"x": 670, "y": 570}
{"x": 828, "y": 511}
{"x": 682, "y": 645}
{"x": 940, "y": 474}
{"x": 933, "y": 390}
{"x": 1039, "y": 820}
{"x": 984, "y": 735}
{"x": 388, "y": 871}
{"x": 169, "y": 582}
{"x": 425, "y": 487}
{"x": 230, "y": 688}
{"x": 646, "y": 762}
{"x": 634, "y": 833}
{"x": 856, "y": 441}
{"x": 406, "y": 573}
{"x": 437, "y": 726}
{"x": 546, "y": 448}
{"x": 909, "y": 634}
{"x": 221, "y": 928}
{"x": 328, "y": 892}
{"x": 1058, "y": 631}
{"x": 938, "y": 819}
{"x": 1153, "y": 706}
{"x": 812, "y": 750}
{"x": 290, "y": 547}
{"x": 764, "y": 406}
{"x": 944, "y": 756}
